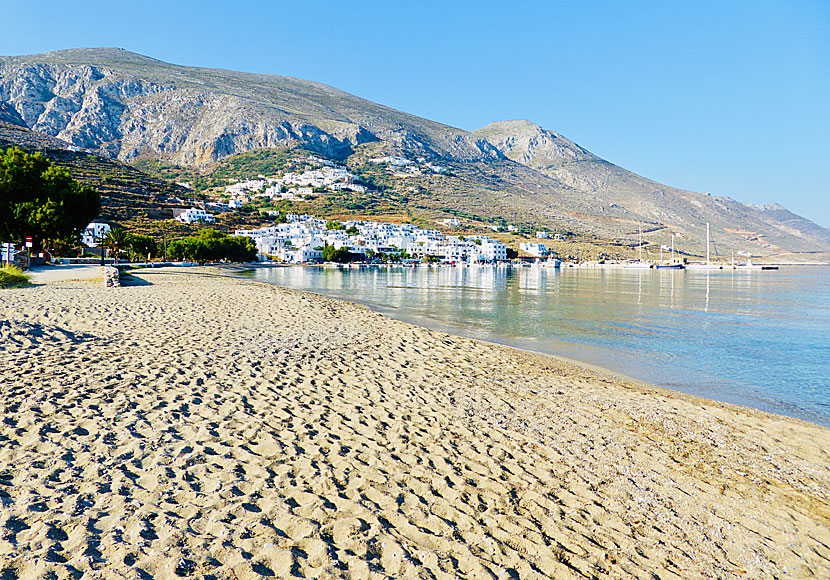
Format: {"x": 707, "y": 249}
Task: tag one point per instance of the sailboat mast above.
{"x": 640, "y": 247}
{"x": 707, "y": 242}
{"x": 672, "y": 248}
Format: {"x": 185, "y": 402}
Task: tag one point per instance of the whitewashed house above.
{"x": 93, "y": 233}
{"x": 492, "y": 250}
{"x": 534, "y": 249}
{"x": 193, "y": 215}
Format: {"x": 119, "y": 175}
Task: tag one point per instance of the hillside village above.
{"x": 303, "y": 237}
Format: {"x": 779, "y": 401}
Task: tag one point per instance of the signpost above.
{"x": 29, "y": 243}
{"x": 7, "y": 253}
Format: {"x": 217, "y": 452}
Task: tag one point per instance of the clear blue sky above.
{"x": 732, "y": 98}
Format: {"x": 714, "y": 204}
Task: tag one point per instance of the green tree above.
{"x": 341, "y": 255}
{"x": 142, "y": 245}
{"x": 40, "y": 200}
{"x": 116, "y": 240}
{"x": 352, "y": 231}
{"x": 213, "y": 246}
{"x": 334, "y": 225}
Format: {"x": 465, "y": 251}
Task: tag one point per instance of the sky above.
{"x": 730, "y": 98}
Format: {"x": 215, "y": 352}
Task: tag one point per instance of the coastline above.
{"x": 372, "y": 447}
{"x": 680, "y": 368}
{"x": 587, "y": 365}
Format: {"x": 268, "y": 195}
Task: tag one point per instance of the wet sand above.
{"x": 193, "y": 425}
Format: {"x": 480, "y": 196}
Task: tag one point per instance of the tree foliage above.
{"x": 40, "y": 200}
{"x": 212, "y": 246}
{"x": 142, "y": 245}
{"x": 116, "y": 240}
{"x": 340, "y": 255}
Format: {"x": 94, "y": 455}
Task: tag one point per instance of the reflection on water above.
{"x": 753, "y": 338}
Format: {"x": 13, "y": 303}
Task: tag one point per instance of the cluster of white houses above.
{"x": 294, "y": 185}
{"x": 303, "y": 238}
{"x": 404, "y": 165}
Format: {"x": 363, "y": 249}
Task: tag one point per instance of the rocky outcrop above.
{"x": 531, "y": 145}
{"x": 125, "y": 106}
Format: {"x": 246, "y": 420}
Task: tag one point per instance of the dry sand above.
{"x": 198, "y": 426}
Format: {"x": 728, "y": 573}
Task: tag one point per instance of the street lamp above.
{"x": 101, "y": 247}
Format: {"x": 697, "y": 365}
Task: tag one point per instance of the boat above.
{"x": 750, "y": 266}
{"x": 639, "y": 264}
{"x": 552, "y": 263}
{"x": 707, "y": 265}
{"x": 672, "y": 265}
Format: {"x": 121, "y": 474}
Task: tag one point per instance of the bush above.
{"x": 213, "y": 246}
{"x": 13, "y": 277}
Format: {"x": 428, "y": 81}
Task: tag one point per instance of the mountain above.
{"x": 125, "y": 105}
{"x": 133, "y": 108}
{"x": 653, "y": 203}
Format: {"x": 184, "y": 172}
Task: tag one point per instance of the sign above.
{"x": 7, "y": 253}
{"x": 28, "y": 241}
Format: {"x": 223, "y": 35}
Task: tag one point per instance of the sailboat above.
{"x": 672, "y": 265}
{"x": 639, "y": 264}
{"x": 708, "y": 265}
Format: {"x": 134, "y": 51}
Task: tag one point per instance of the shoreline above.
{"x": 192, "y": 422}
{"x": 759, "y": 403}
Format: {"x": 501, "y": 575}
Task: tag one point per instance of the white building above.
{"x": 542, "y": 235}
{"x": 93, "y": 234}
{"x": 451, "y": 222}
{"x": 192, "y": 216}
{"x": 491, "y": 250}
{"x": 534, "y": 249}
{"x": 392, "y": 160}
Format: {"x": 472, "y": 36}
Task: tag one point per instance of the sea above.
{"x": 754, "y": 338}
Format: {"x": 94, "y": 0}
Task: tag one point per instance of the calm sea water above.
{"x": 760, "y": 339}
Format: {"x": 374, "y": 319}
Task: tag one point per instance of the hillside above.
{"x": 655, "y": 204}
{"x": 129, "y": 197}
{"x": 139, "y": 110}
{"x": 126, "y": 105}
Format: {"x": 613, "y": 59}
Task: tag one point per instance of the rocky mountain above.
{"x": 653, "y": 204}
{"x": 125, "y": 105}
{"x": 129, "y": 107}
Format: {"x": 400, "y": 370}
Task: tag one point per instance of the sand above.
{"x": 193, "y": 425}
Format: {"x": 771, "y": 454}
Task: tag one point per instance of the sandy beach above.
{"x": 193, "y": 425}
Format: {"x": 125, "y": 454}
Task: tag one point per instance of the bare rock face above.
{"x": 531, "y": 145}
{"x": 124, "y": 105}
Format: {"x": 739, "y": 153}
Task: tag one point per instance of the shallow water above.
{"x": 756, "y": 338}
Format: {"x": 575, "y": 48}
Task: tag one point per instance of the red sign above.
{"x": 28, "y": 238}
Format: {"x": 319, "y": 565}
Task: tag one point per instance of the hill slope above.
{"x": 130, "y": 107}
{"x": 652, "y": 203}
{"x": 125, "y": 105}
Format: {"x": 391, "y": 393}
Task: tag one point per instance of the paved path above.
{"x": 46, "y": 274}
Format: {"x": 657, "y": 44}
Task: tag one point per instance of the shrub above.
{"x": 213, "y": 246}
{"x": 13, "y": 277}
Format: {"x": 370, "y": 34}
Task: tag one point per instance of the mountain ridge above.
{"x": 131, "y": 107}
